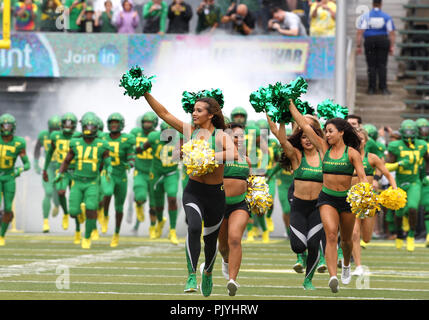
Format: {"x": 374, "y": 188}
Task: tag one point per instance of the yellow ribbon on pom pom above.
{"x": 198, "y": 157}
{"x": 258, "y": 195}
{"x": 393, "y": 199}
{"x": 363, "y": 200}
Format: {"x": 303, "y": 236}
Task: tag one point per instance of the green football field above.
{"x": 38, "y": 266}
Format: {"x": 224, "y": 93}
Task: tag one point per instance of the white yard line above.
{"x": 53, "y": 264}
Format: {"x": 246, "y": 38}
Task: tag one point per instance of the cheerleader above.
{"x": 340, "y": 151}
{"x": 306, "y": 229}
{"x": 204, "y": 196}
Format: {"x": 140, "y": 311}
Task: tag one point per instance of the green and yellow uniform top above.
{"x": 305, "y": 172}
{"x": 274, "y": 152}
{"x": 341, "y": 166}
{"x": 44, "y": 139}
{"x": 122, "y": 151}
{"x": 9, "y": 152}
{"x": 102, "y": 134}
{"x": 62, "y": 146}
{"x": 375, "y": 147}
{"x": 251, "y": 134}
{"x": 236, "y": 170}
{"x": 413, "y": 154}
{"x": 88, "y": 157}
{"x": 265, "y": 161}
{"x": 162, "y": 152}
{"x": 284, "y": 177}
{"x": 144, "y": 158}
{"x": 369, "y": 171}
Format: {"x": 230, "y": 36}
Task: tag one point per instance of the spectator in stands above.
{"x": 378, "y": 30}
{"x": 127, "y": 19}
{"x": 286, "y": 23}
{"x": 322, "y": 15}
{"x": 86, "y": 21}
{"x": 51, "y": 10}
{"x": 179, "y": 15}
{"x": 243, "y": 21}
{"x": 25, "y": 13}
{"x": 302, "y": 9}
{"x": 155, "y": 17}
{"x": 105, "y": 19}
{"x": 265, "y": 14}
{"x": 208, "y": 16}
{"x": 74, "y": 9}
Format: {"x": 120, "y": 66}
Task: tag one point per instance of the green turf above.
{"x": 52, "y": 267}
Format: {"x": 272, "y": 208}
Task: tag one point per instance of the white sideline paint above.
{"x": 52, "y": 264}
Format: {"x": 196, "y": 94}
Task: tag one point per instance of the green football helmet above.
{"x": 372, "y": 130}
{"x": 423, "y": 127}
{"x": 263, "y": 124}
{"x": 118, "y": 117}
{"x": 239, "y": 111}
{"x": 68, "y": 122}
{"x": 408, "y": 129}
{"x": 7, "y": 124}
{"x": 54, "y": 123}
{"x": 227, "y": 120}
{"x": 89, "y": 126}
{"x": 150, "y": 116}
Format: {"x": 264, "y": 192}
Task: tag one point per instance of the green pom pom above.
{"x": 189, "y": 98}
{"x": 275, "y": 100}
{"x": 327, "y": 109}
{"x": 135, "y": 83}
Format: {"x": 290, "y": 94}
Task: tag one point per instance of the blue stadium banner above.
{"x": 110, "y": 55}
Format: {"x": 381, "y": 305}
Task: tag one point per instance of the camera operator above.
{"x": 242, "y": 19}
{"x": 286, "y": 23}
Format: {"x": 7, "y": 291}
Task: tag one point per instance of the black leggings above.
{"x": 203, "y": 202}
{"x": 306, "y": 231}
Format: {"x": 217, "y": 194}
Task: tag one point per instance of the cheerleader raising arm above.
{"x": 318, "y": 141}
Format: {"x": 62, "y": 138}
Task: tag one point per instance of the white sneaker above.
{"x": 358, "y": 271}
{"x": 232, "y": 287}
{"x": 333, "y": 284}
{"x": 225, "y": 269}
{"x": 346, "y": 276}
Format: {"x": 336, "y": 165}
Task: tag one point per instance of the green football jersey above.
{"x": 163, "y": 162}
{"x": 121, "y": 151}
{"x": 285, "y": 177}
{"x": 144, "y": 158}
{"x": 44, "y": 139}
{"x": 264, "y": 163}
{"x": 372, "y": 146}
{"x": 9, "y": 152}
{"x": 414, "y": 155}
{"x": 62, "y": 145}
{"x": 88, "y": 157}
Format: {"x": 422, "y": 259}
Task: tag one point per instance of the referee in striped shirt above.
{"x": 378, "y": 30}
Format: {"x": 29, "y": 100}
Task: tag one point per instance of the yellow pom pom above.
{"x": 393, "y": 199}
{"x": 198, "y": 157}
{"x": 258, "y": 195}
{"x": 363, "y": 200}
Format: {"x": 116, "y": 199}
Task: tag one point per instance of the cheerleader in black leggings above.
{"x": 204, "y": 196}
{"x": 305, "y": 223}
